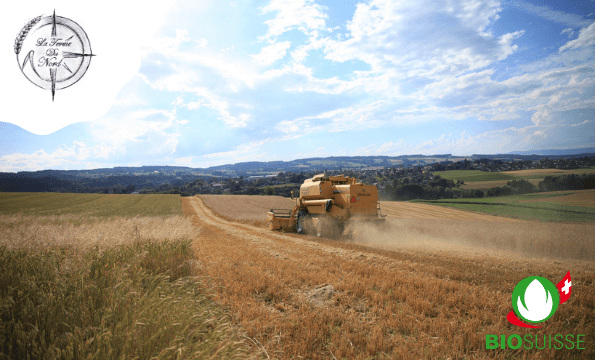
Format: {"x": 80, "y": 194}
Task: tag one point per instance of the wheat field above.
{"x": 250, "y": 209}
{"x": 430, "y": 283}
{"x": 80, "y": 286}
{"x": 422, "y": 292}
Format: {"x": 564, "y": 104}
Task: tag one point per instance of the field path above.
{"x": 403, "y": 304}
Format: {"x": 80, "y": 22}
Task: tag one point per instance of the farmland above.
{"x": 431, "y": 283}
{"x": 425, "y": 287}
{"x": 78, "y": 282}
{"x": 407, "y": 210}
{"x": 475, "y": 179}
{"x": 575, "y": 205}
{"x": 473, "y": 175}
{"x": 247, "y": 208}
{"x": 89, "y": 204}
{"x": 484, "y": 185}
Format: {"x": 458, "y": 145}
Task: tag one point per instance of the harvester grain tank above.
{"x": 326, "y": 204}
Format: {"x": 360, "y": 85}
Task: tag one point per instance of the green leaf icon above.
{"x": 535, "y": 299}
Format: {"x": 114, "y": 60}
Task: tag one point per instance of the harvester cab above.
{"x": 325, "y": 204}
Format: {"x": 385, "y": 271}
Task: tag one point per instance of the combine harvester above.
{"x": 326, "y": 204}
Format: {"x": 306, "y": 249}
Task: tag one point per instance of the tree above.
{"x": 521, "y": 186}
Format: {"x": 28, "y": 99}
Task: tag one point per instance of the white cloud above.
{"x": 241, "y": 153}
{"x": 184, "y": 161}
{"x": 556, "y": 16}
{"x": 586, "y": 37}
{"x": 568, "y": 31}
{"x": 304, "y": 15}
{"x": 146, "y": 133}
{"x": 63, "y": 157}
{"x": 270, "y": 54}
{"x": 191, "y": 66}
{"x": 464, "y": 145}
{"x": 506, "y": 44}
{"x": 202, "y": 43}
{"x": 582, "y": 123}
{"x": 212, "y": 101}
{"x": 476, "y": 14}
{"x": 350, "y": 118}
{"x": 301, "y": 52}
{"x": 408, "y": 40}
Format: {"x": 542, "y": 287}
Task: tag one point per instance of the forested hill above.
{"x": 256, "y": 168}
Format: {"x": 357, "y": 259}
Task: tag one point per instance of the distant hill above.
{"x": 126, "y": 180}
{"x": 159, "y": 174}
{"x": 589, "y": 150}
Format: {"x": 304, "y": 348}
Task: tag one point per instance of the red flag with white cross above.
{"x": 565, "y": 288}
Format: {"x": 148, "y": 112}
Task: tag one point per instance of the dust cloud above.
{"x": 533, "y": 239}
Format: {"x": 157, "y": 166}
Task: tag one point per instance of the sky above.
{"x": 204, "y": 83}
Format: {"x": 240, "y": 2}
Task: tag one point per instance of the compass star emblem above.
{"x": 53, "y": 52}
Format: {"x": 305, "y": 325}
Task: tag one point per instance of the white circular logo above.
{"x": 53, "y": 52}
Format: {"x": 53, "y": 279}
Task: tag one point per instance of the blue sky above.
{"x": 224, "y": 82}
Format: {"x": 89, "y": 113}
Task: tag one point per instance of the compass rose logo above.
{"x": 53, "y": 52}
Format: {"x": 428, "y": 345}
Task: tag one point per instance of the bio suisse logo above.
{"x": 535, "y": 299}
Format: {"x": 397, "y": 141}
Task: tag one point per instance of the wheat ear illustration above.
{"x": 18, "y": 43}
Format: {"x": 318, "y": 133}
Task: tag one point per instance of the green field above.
{"x": 478, "y": 176}
{"x": 90, "y": 204}
{"x": 473, "y": 175}
{"x": 516, "y": 206}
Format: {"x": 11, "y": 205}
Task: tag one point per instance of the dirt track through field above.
{"x": 396, "y": 304}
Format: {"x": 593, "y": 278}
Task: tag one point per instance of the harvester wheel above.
{"x": 328, "y": 205}
{"x": 301, "y": 221}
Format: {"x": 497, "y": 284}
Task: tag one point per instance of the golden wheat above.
{"x": 398, "y": 302}
{"x": 83, "y": 232}
{"x": 246, "y": 207}
{"x": 74, "y": 286}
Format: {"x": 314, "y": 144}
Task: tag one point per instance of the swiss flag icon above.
{"x": 565, "y": 288}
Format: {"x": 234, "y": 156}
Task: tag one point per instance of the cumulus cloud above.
{"x": 476, "y": 14}
{"x": 406, "y": 43}
{"x": 506, "y": 44}
{"x": 305, "y": 15}
{"x": 586, "y": 37}
{"x": 270, "y": 54}
{"x": 391, "y": 63}
{"x": 146, "y": 133}
{"x": 424, "y": 60}
{"x": 64, "y": 157}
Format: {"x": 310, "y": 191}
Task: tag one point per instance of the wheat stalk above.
{"x": 18, "y": 43}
